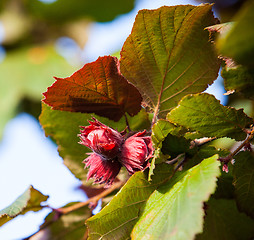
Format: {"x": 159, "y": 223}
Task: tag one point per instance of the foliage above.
{"x": 193, "y": 189}
{"x": 30, "y": 200}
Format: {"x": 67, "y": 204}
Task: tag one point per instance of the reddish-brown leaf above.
{"x": 98, "y": 88}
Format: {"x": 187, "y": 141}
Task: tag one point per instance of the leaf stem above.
{"x": 155, "y": 114}
{"x": 127, "y": 123}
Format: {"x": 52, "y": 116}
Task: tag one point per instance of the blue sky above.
{"x": 27, "y": 157}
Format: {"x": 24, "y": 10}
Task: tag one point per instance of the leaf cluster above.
{"x": 194, "y": 188}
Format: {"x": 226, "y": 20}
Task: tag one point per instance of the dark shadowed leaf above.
{"x": 64, "y": 127}
{"x": 168, "y": 54}
{"x": 200, "y": 153}
{"x": 204, "y": 113}
{"x": 175, "y": 210}
{"x": 97, "y": 88}
{"x": 175, "y": 145}
{"x": 117, "y": 219}
{"x": 64, "y": 227}
{"x": 243, "y": 173}
{"x": 30, "y": 200}
{"x": 223, "y": 221}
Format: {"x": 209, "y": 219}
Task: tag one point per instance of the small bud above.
{"x": 225, "y": 168}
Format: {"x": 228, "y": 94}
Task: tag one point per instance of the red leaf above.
{"x": 98, "y": 88}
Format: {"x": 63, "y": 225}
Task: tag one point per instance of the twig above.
{"x": 61, "y": 211}
{"x": 228, "y": 158}
{"x": 96, "y": 198}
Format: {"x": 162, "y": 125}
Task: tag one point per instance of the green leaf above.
{"x": 204, "y": 113}
{"x": 96, "y": 10}
{"x": 97, "y": 87}
{"x": 223, "y": 221}
{"x": 160, "y": 130}
{"x": 26, "y": 73}
{"x": 175, "y": 210}
{"x": 238, "y": 42}
{"x": 243, "y": 173}
{"x": 200, "y": 153}
{"x": 168, "y": 54}
{"x": 117, "y": 219}
{"x": 174, "y": 145}
{"x": 64, "y": 127}
{"x": 239, "y": 79}
{"x": 225, "y": 188}
{"x": 65, "y": 227}
{"x": 30, "y": 200}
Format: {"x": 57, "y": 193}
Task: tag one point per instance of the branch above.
{"x": 96, "y": 198}
{"x": 66, "y": 210}
{"x": 228, "y": 158}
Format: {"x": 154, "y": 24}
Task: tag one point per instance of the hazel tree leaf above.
{"x": 29, "y": 72}
{"x": 204, "y": 113}
{"x": 200, "y": 153}
{"x": 63, "y": 127}
{"x": 98, "y": 88}
{"x": 116, "y": 220}
{"x": 30, "y": 200}
{"x": 221, "y": 28}
{"x": 238, "y": 42}
{"x": 168, "y": 54}
{"x": 175, "y": 145}
{"x": 175, "y": 210}
{"x": 160, "y": 130}
{"x": 64, "y": 227}
{"x": 96, "y": 10}
{"x": 243, "y": 173}
{"x": 239, "y": 79}
{"x": 224, "y": 221}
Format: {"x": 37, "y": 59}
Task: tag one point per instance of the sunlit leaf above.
{"x": 64, "y": 127}
{"x": 224, "y": 221}
{"x": 117, "y": 219}
{"x": 175, "y": 210}
{"x": 30, "y": 200}
{"x": 168, "y": 54}
{"x": 204, "y": 113}
{"x": 243, "y": 173}
{"x": 98, "y": 88}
